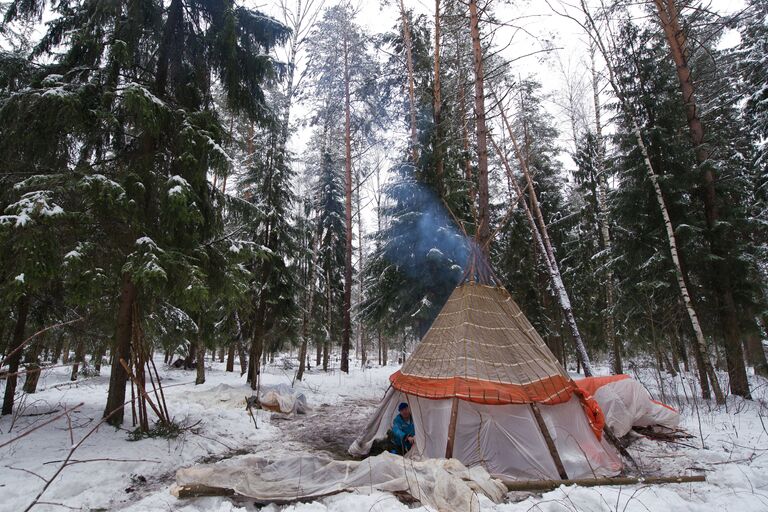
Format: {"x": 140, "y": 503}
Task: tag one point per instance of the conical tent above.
{"x": 484, "y": 387}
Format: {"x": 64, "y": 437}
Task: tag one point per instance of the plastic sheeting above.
{"x": 444, "y": 485}
{"x": 283, "y": 398}
{"x": 504, "y": 439}
{"x": 626, "y": 404}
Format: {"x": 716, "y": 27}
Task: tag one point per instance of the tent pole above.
{"x": 452, "y": 428}
{"x": 549, "y": 441}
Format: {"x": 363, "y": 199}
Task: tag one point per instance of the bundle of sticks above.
{"x": 665, "y": 434}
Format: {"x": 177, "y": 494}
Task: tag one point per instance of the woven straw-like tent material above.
{"x": 482, "y": 349}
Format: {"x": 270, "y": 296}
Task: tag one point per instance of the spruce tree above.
{"x": 267, "y": 185}
{"x": 126, "y": 124}
{"x": 344, "y": 74}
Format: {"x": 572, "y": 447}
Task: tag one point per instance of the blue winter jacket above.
{"x": 402, "y": 429}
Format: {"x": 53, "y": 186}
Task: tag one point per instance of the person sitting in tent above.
{"x": 403, "y": 429}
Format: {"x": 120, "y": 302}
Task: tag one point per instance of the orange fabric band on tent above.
{"x": 590, "y": 385}
{"x": 550, "y": 391}
{"x": 594, "y": 413}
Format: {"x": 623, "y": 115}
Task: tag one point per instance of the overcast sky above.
{"x": 533, "y": 23}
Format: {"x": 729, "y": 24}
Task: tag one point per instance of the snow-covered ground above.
{"x": 729, "y": 446}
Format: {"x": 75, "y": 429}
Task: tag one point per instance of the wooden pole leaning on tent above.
{"x": 549, "y": 441}
{"x": 452, "y": 428}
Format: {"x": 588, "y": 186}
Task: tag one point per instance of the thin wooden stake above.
{"x": 550, "y": 442}
{"x": 142, "y": 391}
{"x": 162, "y": 401}
{"x": 452, "y": 428}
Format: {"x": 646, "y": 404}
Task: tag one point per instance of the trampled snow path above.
{"x": 734, "y": 458}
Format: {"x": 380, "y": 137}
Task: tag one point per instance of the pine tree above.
{"x": 344, "y": 74}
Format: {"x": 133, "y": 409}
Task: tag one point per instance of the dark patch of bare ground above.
{"x": 328, "y": 428}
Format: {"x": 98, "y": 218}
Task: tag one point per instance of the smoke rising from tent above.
{"x": 424, "y": 240}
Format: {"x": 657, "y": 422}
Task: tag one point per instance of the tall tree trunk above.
{"x": 243, "y": 357}
{"x": 4, "y": 343}
{"x": 65, "y": 351}
{"x": 411, "y": 87}
{"x": 754, "y": 345}
{"x": 541, "y": 236}
{"x": 121, "y": 349}
{"x": 257, "y": 345}
{"x": 189, "y": 361}
{"x": 605, "y": 234}
{"x": 669, "y": 229}
{"x": 688, "y": 303}
{"x": 679, "y": 347}
{"x": 361, "y": 266}
{"x": 483, "y": 214}
{"x": 230, "y": 358}
{"x": 347, "y": 324}
{"x": 254, "y": 359}
{"x": 757, "y": 354}
{"x": 305, "y": 319}
{"x": 33, "y": 366}
{"x": 384, "y": 351}
{"x": 437, "y": 106}
{"x": 200, "y": 360}
{"x": 302, "y": 358}
{"x": 171, "y": 31}
{"x": 669, "y": 17}
{"x": 239, "y": 346}
{"x": 57, "y": 348}
{"x": 15, "y": 351}
{"x": 97, "y": 355}
{"x": 79, "y": 359}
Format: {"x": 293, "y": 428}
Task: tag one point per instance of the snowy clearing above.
{"x": 138, "y": 475}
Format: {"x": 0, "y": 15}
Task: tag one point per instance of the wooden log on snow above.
{"x": 195, "y": 491}
{"x": 548, "y": 485}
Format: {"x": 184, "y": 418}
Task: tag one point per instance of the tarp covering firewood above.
{"x": 277, "y": 398}
{"x": 626, "y": 403}
{"x": 283, "y": 398}
{"x": 444, "y": 485}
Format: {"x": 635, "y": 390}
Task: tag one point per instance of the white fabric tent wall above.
{"x": 505, "y": 439}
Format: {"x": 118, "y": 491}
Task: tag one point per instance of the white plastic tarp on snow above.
{"x": 443, "y": 485}
{"x": 626, "y": 404}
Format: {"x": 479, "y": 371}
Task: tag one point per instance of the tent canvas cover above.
{"x": 484, "y": 388}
